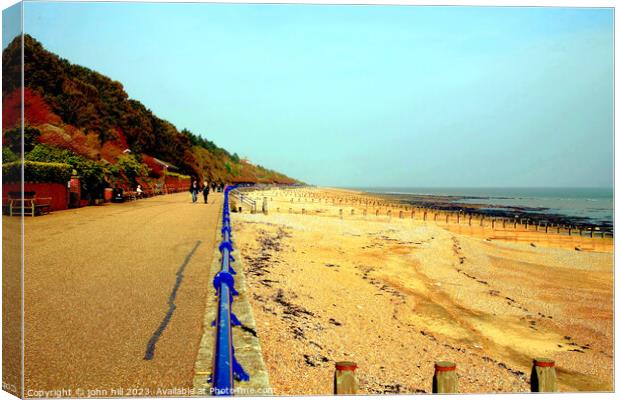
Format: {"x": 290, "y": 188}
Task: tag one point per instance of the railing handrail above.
{"x": 225, "y": 366}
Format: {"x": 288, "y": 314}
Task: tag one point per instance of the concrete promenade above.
{"x": 107, "y": 287}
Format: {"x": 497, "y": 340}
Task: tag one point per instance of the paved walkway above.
{"x": 100, "y": 287}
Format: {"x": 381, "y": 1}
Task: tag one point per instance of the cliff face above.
{"x": 73, "y": 108}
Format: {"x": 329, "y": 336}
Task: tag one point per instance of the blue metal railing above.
{"x": 226, "y": 368}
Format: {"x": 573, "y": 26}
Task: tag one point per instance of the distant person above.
{"x": 194, "y": 188}
{"x": 213, "y": 185}
{"x": 205, "y": 191}
{"x": 139, "y": 192}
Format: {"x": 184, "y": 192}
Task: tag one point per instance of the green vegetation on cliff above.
{"x": 89, "y": 116}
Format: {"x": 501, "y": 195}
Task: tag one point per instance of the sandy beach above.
{"x": 395, "y": 293}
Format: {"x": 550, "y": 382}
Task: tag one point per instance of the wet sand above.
{"x": 395, "y": 295}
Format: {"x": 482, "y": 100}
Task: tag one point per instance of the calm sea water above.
{"x": 595, "y": 204}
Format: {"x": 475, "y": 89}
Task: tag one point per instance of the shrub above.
{"x": 44, "y": 153}
{"x": 12, "y": 138}
{"x": 180, "y": 176}
{"x": 8, "y": 156}
{"x": 129, "y": 166}
{"x": 92, "y": 173}
{"x": 35, "y": 171}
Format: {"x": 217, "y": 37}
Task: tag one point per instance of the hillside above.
{"x": 73, "y": 113}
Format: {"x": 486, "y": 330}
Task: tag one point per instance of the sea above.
{"x": 593, "y": 204}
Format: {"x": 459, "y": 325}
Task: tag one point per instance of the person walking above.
{"x": 205, "y": 191}
{"x": 194, "y": 189}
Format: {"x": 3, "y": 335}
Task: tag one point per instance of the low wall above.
{"x": 57, "y": 191}
{"x": 172, "y": 182}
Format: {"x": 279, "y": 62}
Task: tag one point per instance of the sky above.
{"x": 363, "y": 96}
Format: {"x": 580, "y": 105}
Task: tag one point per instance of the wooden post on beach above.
{"x": 543, "y": 378}
{"x": 591, "y": 232}
{"x": 504, "y": 223}
{"x": 546, "y": 227}
{"x": 345, "y": 381}
{"x": 341, "y": 213}
{"x": 365, "y": 212}
{"x": 493, "y": 223}
{"x": 469, "y": 219}
{"x": 265, "y": 206}
{"x": 424, "y": 215}
{"x": 389, "y": 214}
{"x": 400, "y": 214}
{"x": 515, "y": 220}
{"x": 458, "y": 217}
{"x": 303, "y": 211}
{"x": 444, "y": 379}
{"x": 558, "y": 227}
{"x": 435, "y": 216}
{"x": 278, "y": 209}
{"x": 482, "y": 220}
{"x": 570, "y": 228}
{"x": 290, "y": 210}
{"x": 412, "y": 214}
{"x": 352, "y": 211}
{"x": 447, "y": 217}
{"x": 377, "y": 213}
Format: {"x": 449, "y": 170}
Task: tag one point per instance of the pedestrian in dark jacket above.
{"x": 205, "y": 191}
{"x": 194, "y": 188}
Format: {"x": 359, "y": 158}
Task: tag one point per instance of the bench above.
{"x": 129, "y": 195}
{"x": 31, "y": 206}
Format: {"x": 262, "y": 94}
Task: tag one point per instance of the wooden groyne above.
{"x": 340, "y": 204}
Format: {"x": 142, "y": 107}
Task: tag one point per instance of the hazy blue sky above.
{"x": 365, "y": 95}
